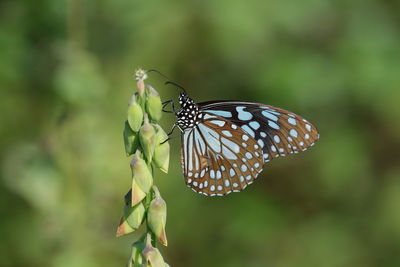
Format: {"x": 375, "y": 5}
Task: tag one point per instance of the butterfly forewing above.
{"x": 277, "y": 131}
{"x": 219, "y": 157}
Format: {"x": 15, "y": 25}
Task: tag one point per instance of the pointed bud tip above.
{"x": 163, "y": 238}
{"x": 123, "y": 228}
{"x": 137, "y": 194}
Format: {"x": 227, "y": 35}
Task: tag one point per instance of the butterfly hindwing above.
{"x": 219, "y": 157}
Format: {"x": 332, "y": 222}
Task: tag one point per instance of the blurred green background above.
{"x": 66, "y": 76}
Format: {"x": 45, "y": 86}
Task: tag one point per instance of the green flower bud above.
{"x": 157, "y": 217}
{"x": 132, "y": 217}
{"x": 147, "y": 136}
{"x": 124, "y": 228}
{"x": 131, "y": 139}
{"x": 135, "y": 114}
{"x": 152, "y": 255}
{"x": 142, "y": 179}
{"x": 154, "y": 105}
{"x": 137, "y": 259}
{"x": 161, "y": 151}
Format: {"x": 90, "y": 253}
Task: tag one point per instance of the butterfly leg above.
{"x": 164, "y": 105}
{"x": 170, "y": 133}
{"x": 170, "y": 138}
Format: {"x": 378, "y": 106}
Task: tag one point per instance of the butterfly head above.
{"x": 188, "y": 115}
{"x": 182, "y": 98}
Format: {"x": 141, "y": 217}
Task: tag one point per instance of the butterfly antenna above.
{"x": 156, "y": 71}
{"x": 169, "y": 80}
{"x": 177, "y": 85}
{"x": 166, "y": 103}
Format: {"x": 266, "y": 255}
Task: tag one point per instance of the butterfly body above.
{"x": 188, "y": 115}
{"x": 225, "y": 144}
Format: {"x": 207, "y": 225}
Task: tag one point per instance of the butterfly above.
{"x": 225, "y": 144}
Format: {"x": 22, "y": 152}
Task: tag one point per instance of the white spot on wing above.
{"x": 260, "y": 142}
{"x": 293, "y": 133}
{"x": 228, "y": 153}
{"x": 244, "y": 168}
{"x": 273, "y": 125}
{"x": 248, "y": 130}
{"x": 217, "y": 122}
{"x": 207, "y": 116}
{"x": 227, "y": 133}
{"x": 268, "y": 114}
{"x": 231, "y": 145}
{"x": 243, "y": 115}
{"x": 212, "y": 174}
{"x": 291, "y": 121}
{"x": 254, "y": 124}
{"x": 221, "y": 113}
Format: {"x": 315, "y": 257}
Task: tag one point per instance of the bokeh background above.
{"x": 66, "y": 75}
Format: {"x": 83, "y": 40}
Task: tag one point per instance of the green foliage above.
{"x": 65, "y": 77}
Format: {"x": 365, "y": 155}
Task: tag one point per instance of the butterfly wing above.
{"x": 279, "y": 132}
{"x": 219, "y": 157}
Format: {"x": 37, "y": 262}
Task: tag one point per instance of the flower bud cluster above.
{"x": 145, "y": 140}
